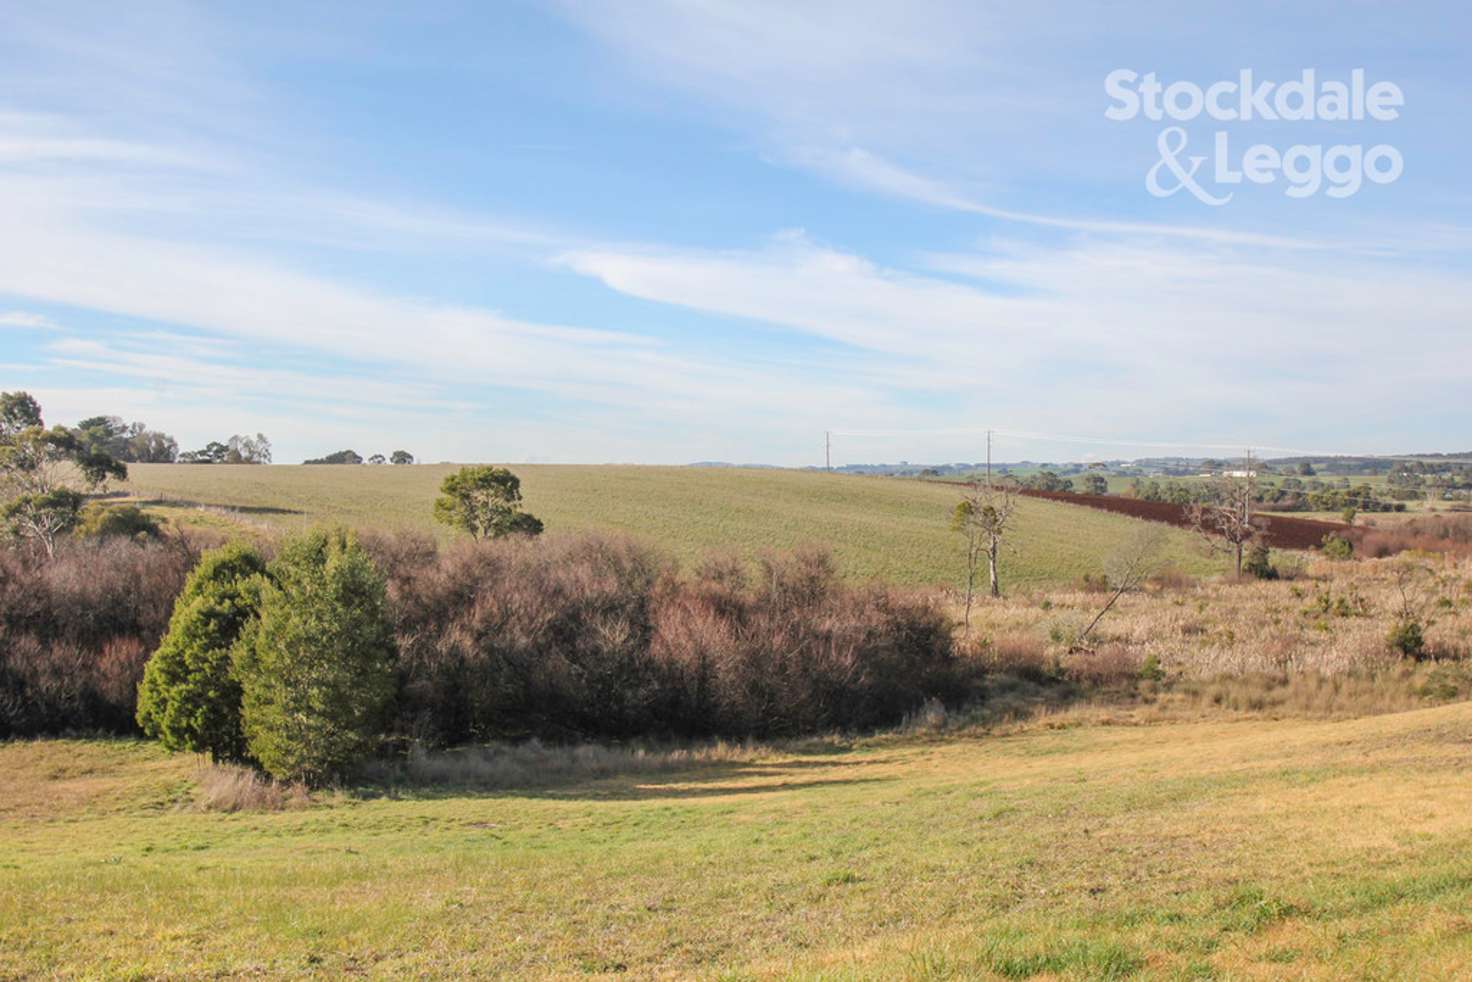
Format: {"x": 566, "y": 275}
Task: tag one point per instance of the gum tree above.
{"x": 486, "y": 502}
{"x": 45, "y": 474}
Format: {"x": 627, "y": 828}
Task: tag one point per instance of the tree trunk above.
{"x": 971, "y": 558}
{"x": 991, "y": 562}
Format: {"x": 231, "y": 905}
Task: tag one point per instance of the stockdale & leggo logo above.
{"x": 1339, "y": 171}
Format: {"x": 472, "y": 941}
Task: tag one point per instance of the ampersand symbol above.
{"x": 1185, "y": 176}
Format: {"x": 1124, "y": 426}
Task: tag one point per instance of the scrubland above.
{"x": 1223, "y": 779}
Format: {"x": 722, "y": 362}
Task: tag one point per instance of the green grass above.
{"x": 895, "y": 530}
{"x": 1181, "y": 850}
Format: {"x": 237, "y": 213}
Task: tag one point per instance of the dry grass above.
{"x": 1331, "y": 620}
{"x": 1058, "y": 850}
{"x": 232, "y": 788}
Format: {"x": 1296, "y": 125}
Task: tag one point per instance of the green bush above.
{"x": 316, "y": 668}
{"x": 1338, "y": 547}
{"x": 189, "y": 697}
{"x": 1407, "y": 638}
{"x": 128, "y": 521}
{"x": 1260, "y": 562}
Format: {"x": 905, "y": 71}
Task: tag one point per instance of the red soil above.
{"x": 1280, "y": 531}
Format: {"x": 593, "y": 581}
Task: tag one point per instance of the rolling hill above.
{"x": 878, "y": 528}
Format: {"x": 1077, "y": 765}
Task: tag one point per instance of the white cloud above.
{"x": 25, "y": 320}
{"x": 1106, "y": 331}
{"x": 860, "y": 168}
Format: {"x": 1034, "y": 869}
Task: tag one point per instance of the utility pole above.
{"x": 988, "y": 458}
{"x": 827, "y": 450}
{"x": 1250, "y": 480}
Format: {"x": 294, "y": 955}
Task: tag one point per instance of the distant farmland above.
{"x": 895, "y": 530}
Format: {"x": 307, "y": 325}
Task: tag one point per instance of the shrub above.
{"x": 1020, "y": 655}
{"x": 1407, "y": 638}
{"x": 595, "y": 636}
{"x": 99, "y": 520}
{"x": 795, "y": 650}
{"x": 518, "y": 637}
{"x": 76, "y": 631}
{"x": 190, "y": 698}
{"x": 1260, "y": 562}
{"x": 1111, "y": 665}
{"x": 1337, "y": 547}
{"x": 316, "y": 668}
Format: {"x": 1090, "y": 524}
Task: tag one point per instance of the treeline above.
{"x": 135, "y": 443}
{"x": 239, "y": 449}
{"x": 353, "y": 457}
{"x": 586, "y": 636}
{"x": 131, "y": 443}
{"x": 1290, "y": 494}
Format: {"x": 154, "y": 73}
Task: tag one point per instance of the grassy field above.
{"x": 1197, "y": 849}
{"x": 894, "y": 530}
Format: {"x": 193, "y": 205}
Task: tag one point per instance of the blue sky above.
{"x": 661, "y": 231}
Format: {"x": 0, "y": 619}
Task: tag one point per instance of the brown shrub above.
{"x": 523, "y": 636}
{"x": 797, "y": 651}
{"x": 597, "y": 636}
{"x": 1014, "y": 653}
{"x": 75, "y": 631}
{"x": 1172, "y": 579}
{"x": 1424, "y": 533}
{"x": 1111, "y": 665}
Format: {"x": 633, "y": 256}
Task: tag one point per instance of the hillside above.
{"x": 1260, "y": 849}
{"x": 878, "y": 528}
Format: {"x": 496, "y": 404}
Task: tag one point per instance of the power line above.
{"x": 1150, "y": 444}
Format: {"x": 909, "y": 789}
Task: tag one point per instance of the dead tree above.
{"x": 1226, "y": 521}
{"x": 985, "y": 515}
{"x": 961, "y": 522}
{"x": 1127, "y": 569}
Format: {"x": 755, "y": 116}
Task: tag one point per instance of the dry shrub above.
{"x": 1172, "y": 579}
{"x": 76, "y": 631}
{"x": 1092, "y": 583}
{"x": 1014, "y": 653}
{"x": 232, "y": 788}
{"x": 796, "y": 651}
{"x": 1424, "y": 533}
{"x": 521, "y": 637}
{"x": 595, "y": 636}
{"x": 1111, "y": 665}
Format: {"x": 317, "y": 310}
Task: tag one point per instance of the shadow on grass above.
{"x": 242, "y": 509}
{"x": 679, "y": 788}
{"x": 645, "y": 779}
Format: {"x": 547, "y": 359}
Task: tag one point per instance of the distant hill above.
{"x": 893, "y": 530}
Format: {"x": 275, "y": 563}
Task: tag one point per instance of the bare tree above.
{"x": 1226, "y": 521}
{"x": 1127, "y": 568}
{"x": 985, "y": 515}
{"x": 961, "y": 522}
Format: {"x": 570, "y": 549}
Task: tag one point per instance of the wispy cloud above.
{"x": 859, "y": 168}
{"x": 25, "y": 320}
